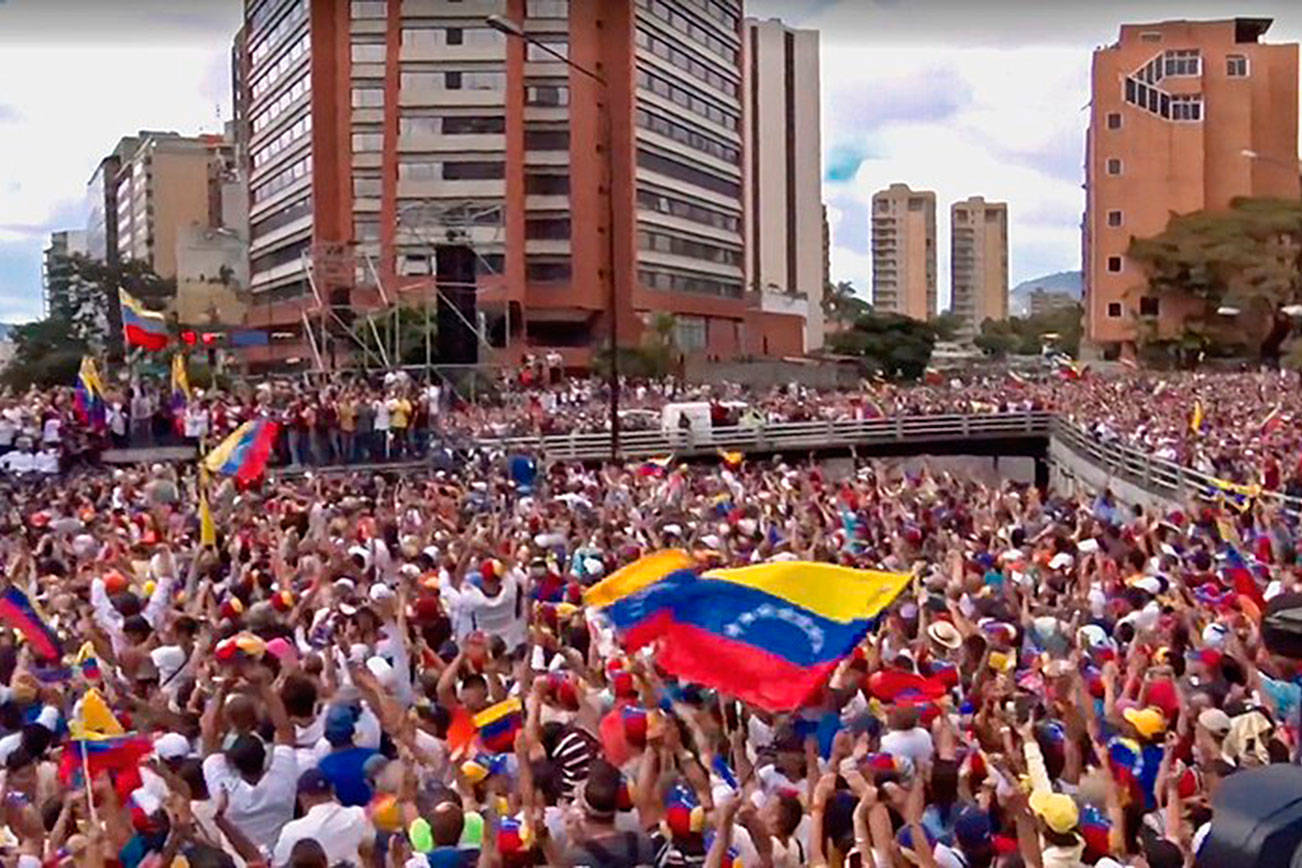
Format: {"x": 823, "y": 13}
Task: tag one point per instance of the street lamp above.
{"x": 513, "y": 28}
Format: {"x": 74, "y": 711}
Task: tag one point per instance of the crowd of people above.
{"x": 1243, "y": 431}
{"x": 1064, "y": 682}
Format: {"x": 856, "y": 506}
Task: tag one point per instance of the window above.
{"x": 366, "y": 188}
{"x": 1114, "y": 218}
{"x": 1114, "y": 309}
{"x": 369, "y": 8}
{"x": 1187, "y": 107}
{"x": 653, "y": 201}
{"x": 534, "y": 51}
{"x": 547, "y": 9}
{"x": 547, "y": 95}
{"x": 282, "y": 179}
{"x": 1236, "y": 66}
{"x": 483, "y": 80}
{"x": 1114, "y": 264}
{"x": 452, "y": 81}
{"x": 687, "y": 136}
{"x": 420, "y": 170}
{"x": 285, "y": 215}
{"x": 689, "y": 333}
{"x": 701, "y": 285}
{"x": 687, "y": 99}
{"x": 289, "y": 136}
{"x": 1183, "y": 62}
{"x": 1148, "y": 305}
{"x": 1114, "y": 166}
{"x": 547, "y": 271}
{"x": 368, "y": 97}
{"x": 663, "y": 243}
{"x": 546, "y": 185}
{"x": 688, "y": 174}
{"x": 1114, "y": 120}
{"x": 474, "y": 171}
{"x": 366, "y": 230}
{"x": 547, "y": 227}
{"x": 367, "y": 142}
{"x": 546, "y": 140}
{"x": 472, "y": 125}
{"x": 1150, "y": 36}
{"x": 452, "y": 35}
{"x": 368, "y": 53}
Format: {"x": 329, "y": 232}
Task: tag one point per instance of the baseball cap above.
{"x": 972, "y": 827}
{"x": 1058, "y": 810}
{"x": 313, "y": 783}
{"x": 171, "y": 746}
{"x": 1215, "y": 721}
{"x": 1148, "y": 721}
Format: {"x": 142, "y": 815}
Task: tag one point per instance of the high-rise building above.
{"x": 1185, "y": 116}
{"x": 782, "y": 176}
{"x": 169, "y": 182}
{"x": 1045, "y": 301}
{"x": 56, "y": 270}
{"x": 978, "y": 263}
{"x": 904, "y": 251}
{"x": 102, "y": 202}
{"x": 378, "y": 130}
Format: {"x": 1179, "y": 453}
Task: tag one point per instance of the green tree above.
{"x": 842, "y": 305}
{"x": 891, "y": 344}
{"x": 44, "y": 355}
{"x": 1026, "y": 336}
{"x": 1248, "y": 257}
{"x": 101, "y": 282}
{"x": 947, "y": 325}
{"x": 416, "y": 333}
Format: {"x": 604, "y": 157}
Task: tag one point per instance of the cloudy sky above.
{"x": 964, "y": 97}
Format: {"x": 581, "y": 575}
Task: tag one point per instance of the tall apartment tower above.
{"x": 379, "y": 129}
{"x": 56, "y": 272}
{"x": 166, "y": 184}
{"x": 783, "y": 174}
{"x": 904, "y": 251}
{"x": 1185, "y": 116}
{"x": 978, "y": 263}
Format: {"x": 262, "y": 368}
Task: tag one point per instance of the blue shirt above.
{"x": 344, "y": 770}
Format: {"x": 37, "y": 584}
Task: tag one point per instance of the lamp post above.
{"x": 512, "y": 28}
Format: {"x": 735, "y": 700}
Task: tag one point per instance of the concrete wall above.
{"x": 1070, "y": 473}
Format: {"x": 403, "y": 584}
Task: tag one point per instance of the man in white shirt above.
{"x": 381, "y": 407}
{"x": 339, "y": 830}
{"x": 260, "y": 796}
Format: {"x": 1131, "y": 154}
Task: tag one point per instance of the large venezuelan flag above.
{"x": 244, "y": 454}
{"x": 17, "y": 612}
{"x": 141, "y": 327}
{"x": 768, "y": 634}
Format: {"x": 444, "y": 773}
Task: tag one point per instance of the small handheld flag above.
{"x": 89, "y": 398}
{"x": 180, "y": 391}
{"x": 17, "y": 612}
{"x": 499, "y": 723}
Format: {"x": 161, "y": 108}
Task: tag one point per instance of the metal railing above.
{"x": 1155, "y": 475}
{"x": 780, "y": 436}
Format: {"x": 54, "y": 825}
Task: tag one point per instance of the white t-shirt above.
{"x": 381, "y": 415}
{"x": 196, "y": 422}
{"x": 18, "y": 461}
{"x": 47, "y": 461}
{"x": 50, "y": 431}
{"x": 337, "y": 829}
{"x": 912, "y": 743}
{"x": 258, "y": 810}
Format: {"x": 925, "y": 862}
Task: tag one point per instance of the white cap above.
{"x": 171, "y": 745}
{"x": 381, "y": 592}
{"x": 381, "y": 669}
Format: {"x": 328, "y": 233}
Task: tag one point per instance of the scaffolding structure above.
{"x": 338, "y": 273}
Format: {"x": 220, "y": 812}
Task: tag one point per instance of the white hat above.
{"x": 381, "y": 592}
{"x": 171, "y": 745}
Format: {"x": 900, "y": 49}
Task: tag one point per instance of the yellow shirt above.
{"x": 399, "y": 412}
{"x": 347, "y": 416}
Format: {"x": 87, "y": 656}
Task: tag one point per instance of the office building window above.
{"x": 474, "y": 80}
{"x": 366, "y": 230}
{"x": 1183, "y": 62}
{"x": 1114, "y": 218}
{"x": 1148, "y": 305}
{"x": 365, "y": 52}
{"x": 368, "y": 97}
{"x": 689, "y": 333}
{"x": 1114, "y": 166}
{"x": 369, "y": 8}
{"x": 364, "y": 143}
{"x": 1236, "y": 66}
{"x": 547, "y": 271}
{"x": 546, "y": 140}
{"x": 1114, "y": 120}
{"x": 552, "y": 228}
{"x": 366, "y": 188}
{"x": 1187, "y": 107}
{"x": 547, "y": 95}
{"x": 546, "y": 185}
{"x": 547, "y": 9}
{"x": 1114, "y": 264}
{"x": 452, "y": 36}
{"x": 1114, "y": 309}
{"x": 534, "y": 51}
